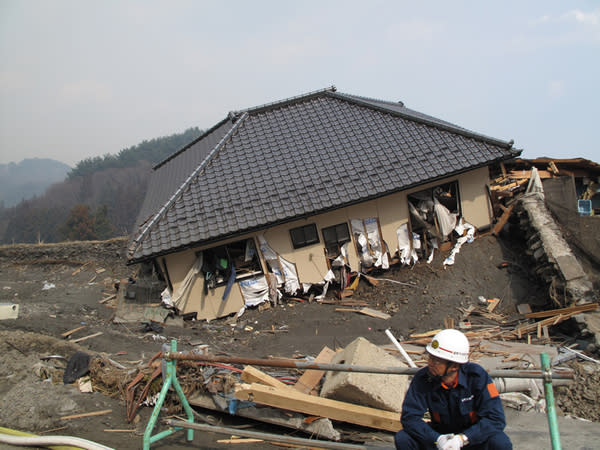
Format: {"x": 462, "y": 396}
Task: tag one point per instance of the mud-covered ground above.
{"x": 60, "y": 287}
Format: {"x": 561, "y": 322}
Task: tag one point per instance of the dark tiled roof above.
{"x": 302, "y": 156}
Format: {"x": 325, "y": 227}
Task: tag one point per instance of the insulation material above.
{"x": 446, "y": 220}
{"x": 368, "y": 241}
{"x": 535, "y": 183}
{"x": 342, "y": 260}
{"x": 180, "y": 297}
{"x": 469, "y": 237}
{"x": 406, "y": 252}
{"x": 284, "y": 270}
{"x": 255, "y": 290}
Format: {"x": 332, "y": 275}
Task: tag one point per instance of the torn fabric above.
{"x": 284, "y": 270}
{"x": 370, "y": 246}
{"x": 406, "y": 251}
{"x": 255, "y": 290}
{"x": 446, "y": 219}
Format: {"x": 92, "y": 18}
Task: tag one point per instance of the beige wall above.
{"x": 310, "y": 261}
{"x": 476, "y": 207}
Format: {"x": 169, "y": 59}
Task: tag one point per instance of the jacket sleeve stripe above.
{"x": 492, "y": 390}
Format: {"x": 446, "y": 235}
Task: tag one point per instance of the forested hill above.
{"x": 99, "y": 198}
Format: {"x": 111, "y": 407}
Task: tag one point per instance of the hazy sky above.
{"x": 86, "y": 78}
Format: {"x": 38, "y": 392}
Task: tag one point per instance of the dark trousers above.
{"x": 405, "y": 441}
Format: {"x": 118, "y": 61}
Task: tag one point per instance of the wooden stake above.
{"x": 87, "y": 337}
{"x": 70, "y": 332}
{"x": 90, "y": 414}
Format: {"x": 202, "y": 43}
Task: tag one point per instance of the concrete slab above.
{"x": 570, "y": 267}
{"x": 530, "y": 431}
{"x": 375, "y": 390}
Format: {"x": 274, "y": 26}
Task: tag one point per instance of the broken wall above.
{"x": 207, "y": 305}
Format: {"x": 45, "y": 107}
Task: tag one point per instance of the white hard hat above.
{"x": 451, "y": 345}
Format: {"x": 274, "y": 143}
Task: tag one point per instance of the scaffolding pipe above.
{"x": 550, "y": 406}
{"x": 304, "y": 442}
{"x": 289, "y": 364}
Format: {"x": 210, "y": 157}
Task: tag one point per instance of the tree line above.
{"x": 99, "y": 199}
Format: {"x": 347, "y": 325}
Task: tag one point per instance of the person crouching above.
{"x": 461, "y": 398}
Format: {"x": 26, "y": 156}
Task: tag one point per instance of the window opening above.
{"x": 220, "y": 262}
{"x": 334, "y": 237}
{"x": 304, "y": 236}
{"x": 433, "y": 215}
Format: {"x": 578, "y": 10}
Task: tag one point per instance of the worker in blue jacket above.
{"x": 463, "y": 402}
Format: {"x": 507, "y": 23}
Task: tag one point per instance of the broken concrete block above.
{"x": 382, "y": 391}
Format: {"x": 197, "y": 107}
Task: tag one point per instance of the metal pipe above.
{"x": 550, "y": 407}
{"x": 286, "y": 363}
{"x": 311, "y": 443}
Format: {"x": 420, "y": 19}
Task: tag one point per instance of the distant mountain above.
{"x": 29, "y": 178}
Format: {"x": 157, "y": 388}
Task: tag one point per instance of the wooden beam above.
{"x": 503, "y": 219}
{"x": 554, "y": 312}
{"x": 550, "y": 321}
{"x": 309, "y": 379}
{"x": 253, "y": 375}
{"x": 292, "y": 400}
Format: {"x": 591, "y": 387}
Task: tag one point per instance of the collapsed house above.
{"x": 556, "y": 204}
{"x": 296, "y": 195}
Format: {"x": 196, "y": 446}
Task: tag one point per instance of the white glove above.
{"x": 443, "y": 440}
{"x": 454, "y": 443}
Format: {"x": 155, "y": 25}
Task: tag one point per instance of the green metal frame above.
{"x": 170, "y": 380}
{"x": 550, "y": 406}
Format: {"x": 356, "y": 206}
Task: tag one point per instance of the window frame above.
{"x": 304, "y": 242}
{"x": 256, "y": 267}
{"x": 339, "y": 241}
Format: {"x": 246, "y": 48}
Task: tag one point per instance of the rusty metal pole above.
{"x": 289, "y": 364}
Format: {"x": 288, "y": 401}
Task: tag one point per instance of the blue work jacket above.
{"x": 472, "y": 407}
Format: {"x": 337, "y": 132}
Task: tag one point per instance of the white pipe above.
{"x": 400, "y": 349}
{"x": 45, "y": 441}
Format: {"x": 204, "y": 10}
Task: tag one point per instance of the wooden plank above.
{"x": 370, "y": 279}
{"x": 293, "y": 400}
{"x": 554, "y": 312}
{"x": 87, "y": 337}
{"x": 503, "y": 219}
{"x": 550, "y": 321}
{"x": 251, "y": 374}
{"x": 310, "y": 378}
{"x": 366, "y": 311}
{"x": 426, "y": 334}
{"x": 523, "y": 308}
{"x": 492, "y": 303}
{"x": 239, "y": 441}
{"x": 374, "y": 313}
